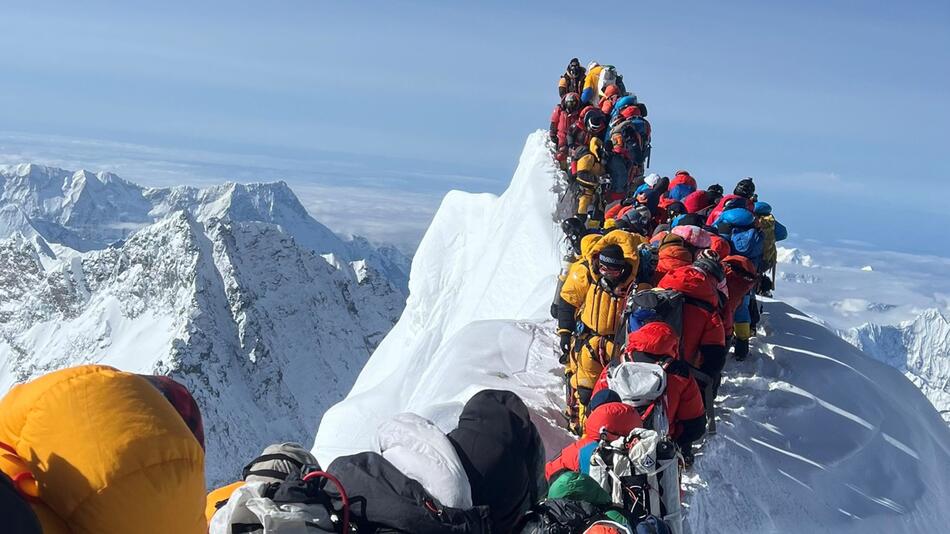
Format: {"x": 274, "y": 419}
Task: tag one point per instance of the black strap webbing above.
{"x": 267, "y": 458}
{"x": 246, "y": 528}
{"x": 692, "y": 301}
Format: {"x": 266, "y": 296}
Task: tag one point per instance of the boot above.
{"x": 741, "y": 348}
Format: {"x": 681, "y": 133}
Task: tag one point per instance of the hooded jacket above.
{"x": 696, "y": 201}
{"x": 681, "y": 186}
{"x": 108, "y": 451}
{"x": 714, "y": 214}
{"x": 570, "y": 84}
{"x": 587, "y": 298}
{"x": 502, "y": 454}
{"x": 561, "y": 120}
{"x": 673, "y": 254}
{"x": 616, "y": 417}
{"x": 421, "y": 451}
{"x": 702, "y": 325}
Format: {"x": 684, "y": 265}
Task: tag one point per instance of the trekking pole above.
{"x": 774, "y": 277}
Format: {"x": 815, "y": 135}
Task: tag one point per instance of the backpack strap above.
{"x": 699, "y": 303}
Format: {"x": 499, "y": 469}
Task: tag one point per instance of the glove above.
{"x": 565, "y": 347}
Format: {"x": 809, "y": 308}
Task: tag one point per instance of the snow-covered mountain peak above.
{"x": 794, "y": 256}
{"x": 85, "y": 211}
{"x": 920, "y": 348}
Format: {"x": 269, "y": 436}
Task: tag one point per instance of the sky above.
{"x": 373, "y": 110}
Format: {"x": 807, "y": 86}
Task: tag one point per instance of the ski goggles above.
{"x": 608, "y": 270}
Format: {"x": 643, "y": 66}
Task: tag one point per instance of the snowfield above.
{"x": 815, "y": 436}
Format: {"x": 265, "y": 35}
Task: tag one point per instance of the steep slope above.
{"x": 815, "y": 437}
{"x": 484, "y": 257}
{"x": 892, "y": 306}
{"x": 816, "y": 434}
{"x": 266, "y": 333}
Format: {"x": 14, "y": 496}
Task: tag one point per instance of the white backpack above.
{"x": 642, "y": 385}
{"x": 608, "y": 76}
{"x": 641, "y": 473}
{"x": 249, "y": 506}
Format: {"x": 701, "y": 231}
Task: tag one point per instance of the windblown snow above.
{"x": 896, "y": 311}
{"x": 226, "y": 289}
{"x": 815, "y": 435}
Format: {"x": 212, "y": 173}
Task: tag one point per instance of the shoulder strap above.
{"x": 699, "y": 303}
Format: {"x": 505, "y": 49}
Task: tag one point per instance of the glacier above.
{"x": 815, "y": 435}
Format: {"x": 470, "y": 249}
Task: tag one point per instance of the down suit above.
{"x": 103, "y": 451}
{"x": 702, "y": 342}
{"x": 590, "y": 308}
{"x": 657, "y": 343}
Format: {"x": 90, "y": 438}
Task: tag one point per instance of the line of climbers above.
{"x": 659, "y": 285}
{"x": 660, "y": 281}
{"x": 601, "y": 136}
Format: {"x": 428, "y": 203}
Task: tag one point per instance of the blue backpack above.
{"x": 748, "y": 242}
{"x": 680, "y": 191}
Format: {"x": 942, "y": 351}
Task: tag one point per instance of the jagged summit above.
{"x": 920, "y": 348}
{"x": 86, "y": 211}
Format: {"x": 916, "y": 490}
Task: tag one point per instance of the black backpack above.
{"x": 561, "y": 516}
{"x": 665, "y": 305}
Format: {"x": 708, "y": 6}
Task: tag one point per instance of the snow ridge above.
{"x": 815, "y": 436}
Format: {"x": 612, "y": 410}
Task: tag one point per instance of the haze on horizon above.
{"x": 372, "y": 111}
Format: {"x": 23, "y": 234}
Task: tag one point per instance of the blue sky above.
{"x": 838, "y": 109}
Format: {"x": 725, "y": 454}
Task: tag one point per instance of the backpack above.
{"x": 650, "y": 305}
{"x": 769, "y": 251}
{"x": 665, "y": 305}
{"x": 608, "y": 76}
{"x": 748, "y": 242}
{"x": 641, "y": 473}
{"x": 642, "y": 385}
{"x": 626, "y": 134}
{"x": 560, "y": 516}
{"x": 680, "y": 191}
{"x": 295, "y": 503}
